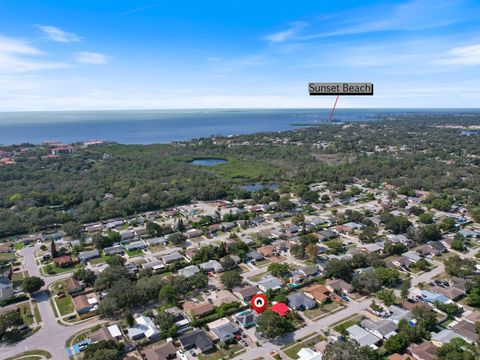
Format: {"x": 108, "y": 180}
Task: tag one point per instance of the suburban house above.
{"x": 181, "y": 321}
{"x": 101, "y": 334}
{"x": 156, "y": 241}
{"x": 270, "y": 283}
{"x": 114, "y": 250}
{"x": 423, "y": 351}
{"x": 362, "y": 336}
{"x": 254, "y": 256}
{"x": 280, "y": 308}
{"x": 222, "y": 330}
{"x": 188, "y": 271}
{"x": 300, "y": 301}
{"x": 445, "y": 336}
{"x": 197, "y": 310}
{"x": 398, "y": 314}
{"x": 144, "y": 327}
{"x": 166, "y": 351}
{"x": 245, "y": 293}
{"x": 267, "y": 251}
{"x": 85, "y": 304}
{"x": 6, "y": 289}
{"x": 197, "y": 339}
{"x": 318, "y": 292}
{"x": 136, "y": 245}
{"x": 247, "y": 318}
{"x": 338, "y": 286}
{"x": 212, "y": 266}
{"x": 63, "y": 261}
{"x": 220, "y": 297}
{"x": 382, "y": 328}
{"x": 154, "y": 265}
{"x": 307, "y": 271}
{"x": 73, "y": 285}
{"x": 84, "y": 256}
{"x": 170, "y": 258}
{"x": 467, "y": 330}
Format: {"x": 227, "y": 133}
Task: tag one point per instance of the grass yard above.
{"x": 65, "y": 305}
{"x": 346, "y": 323}
{"x": 18, "y": 276}
{"x": 293, "y": 350}
{"x": 36, "y": 313}
{"x": 55, "y": 270}
{"x": 134, "y": 253}
{"x": 26, "y": 313}
{"x": 246, "y": 169}
{"x": 321, "y": 310}
{"x": 99, "y": 260}
{"x": 7, "y": 256}
{"x": 258, "y": 277}
{"x": 18, "y": 246}
{"x": 220, "y": 353}
{"x": 32, "y": 354}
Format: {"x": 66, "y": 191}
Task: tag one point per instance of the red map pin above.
{"x": 259, "y": 303}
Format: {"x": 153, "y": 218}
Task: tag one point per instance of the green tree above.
{"x": 387, "y": 296}
{"x": 166, "y": 325}
{"x": 457, "y": 349}
{"x": 53, "y": 249}
{"x": 426, "y": 218}
{"x": 405, "y": 288}
{"x": 231, "y": 278}
{"x": 32, "y": 284}
{"x": 87, "y": 276}
{"x": 168, "y": 294}
{"x": 340, "y": 269}
{"x": 447, "y": 224}
{"x": 228, "y": 263}
{"x": 272, "y": 325}
{"x": 104, "y": 350}
{"x": 349, "y": 350}
{"x": 279, "y": 269}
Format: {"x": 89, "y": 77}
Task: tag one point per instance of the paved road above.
{"x": 52, "y": 336}
{"x": 354, "y": 307}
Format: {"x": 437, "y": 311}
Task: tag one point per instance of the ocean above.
{"x": 163, "y": 126}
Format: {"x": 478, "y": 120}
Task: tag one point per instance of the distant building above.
{"x": 6, "y": 289}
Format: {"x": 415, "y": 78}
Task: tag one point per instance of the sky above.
{"x": 146, "y": 54}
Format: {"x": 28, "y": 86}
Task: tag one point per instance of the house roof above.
{"x": 362, "y": 336}
{"x": 81, "y": 302}
{"x": 161, "y": 352}
{"x": 197, "y": 338}
{"x": 188, "y": 271}
{"x": 100, "y": 334}
{"x": 197, "y": 309}
{"x": 222, "y": 329}
{"x": 339, "y": 284}
{"x": 212, "y": 264}
{"x": 72, "y": 283}
{"x": 384, "y": 326}
{"x": 280, "y": 308}
{"x": 445, "y": 336}
{"x": 451, "y": 292}
{"x": 246, "y": 291}
{"x": 297, "y": 300}
{"x": 270, "y": 283}
{"x": 309, "y": 270}
{"x": 466, "y": 329}
{"x": 424, "y": 351}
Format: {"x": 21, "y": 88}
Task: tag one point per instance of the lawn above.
{"x": 292, "y": 351}
{"x": 321, "y": 310}
{"x": 19, "y": 246}
{"x": 36, "y": 313}
{"x": 346, "y": 323}
{"x": 134, "y": 253}
{"x": 55, "y": 270}
{"x": 7, "y": 256}
{"x": 18, "y": 276}
{"x": 65, "y": 305}
{"x": 220, "y": 353}
{"x": 100, "y": 260}
{"x": 257, "y": 278}
{"x": 246, "y": 169}
{"x": 26, "y": 313}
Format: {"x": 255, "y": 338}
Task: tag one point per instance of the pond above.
{"x": 260, "y": 186}
{"x": 208, "y": 162}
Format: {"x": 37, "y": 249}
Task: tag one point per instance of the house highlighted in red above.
{"x": 280, "y": 308}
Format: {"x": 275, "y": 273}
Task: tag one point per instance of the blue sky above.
{"x": 91, "y": 54}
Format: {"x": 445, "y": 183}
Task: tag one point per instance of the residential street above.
{"x": 52, "y": 336}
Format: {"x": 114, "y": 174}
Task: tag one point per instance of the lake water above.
{"x": 162, "y": 126}
{"x": 208, "y": 162}
{"x": 260, "y": 186}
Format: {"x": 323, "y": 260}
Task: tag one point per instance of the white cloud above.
{"x": 287, "y": 34}
{"x": 15, "y": 46}
{"x": 463, "y": 55}
{"x": 58, "y": 35}
{"x": 18, "y": 56}
{"x": 87, "y": 57}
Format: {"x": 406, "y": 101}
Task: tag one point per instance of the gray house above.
{"x": 84, "y": 256}
{"x": 300, "y": 301}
